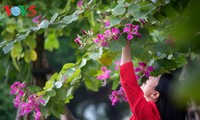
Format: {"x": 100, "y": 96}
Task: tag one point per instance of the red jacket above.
{"x": 141, "y": 109}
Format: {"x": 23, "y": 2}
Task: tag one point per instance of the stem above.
{"x": 17, "y": 115}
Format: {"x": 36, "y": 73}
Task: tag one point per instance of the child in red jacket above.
{"x": 151, "y": 101}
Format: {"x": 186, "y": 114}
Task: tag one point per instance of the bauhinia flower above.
{"x": 105, "y": 75}
{"x": 112, "y": 34}
{"x": 24, "y": 102}
{"x": 16, "y": 88}
{"x": 101, "y": 40}
{"x": 80, "y": 3}
{"x": 131, "y": 30}
{"x": 118, "y": 96}
{"x": 37, "y": 115}
{"x": 37, "y": 19}
{"x": 78, "y": 40}
{"x": 106, "y": 23}
{"x": 17, "y": 101}
{"x": 142, "y": 21}
{"x": 144, "y": 69}
{"x": 117, "y": 65}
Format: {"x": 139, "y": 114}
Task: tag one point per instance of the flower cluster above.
{"x": 103, "y": 39}
{"x": 118, "y": 96}
{"x": 144, "y": 69}
{"x": 131, "y": 30}
{"x": 110, "y": 34}
{"x": 24, "y": 102}
{"x": 105, "y": 75}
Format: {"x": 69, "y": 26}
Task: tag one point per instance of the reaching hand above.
{"x": 126, "y": 54}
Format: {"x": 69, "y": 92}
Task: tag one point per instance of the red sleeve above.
{"x": 141, "y": 109}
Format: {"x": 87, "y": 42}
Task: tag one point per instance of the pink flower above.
{"x": 84, "y": 32}
{"x": 112, "y": 34}
{"x": 131, "y": 30}
{"x": 105, "y": 75}
{"x": 115, "y": 33}
{"x": 80, "y": 3}
{"x": 16, "y": 88}
{"x": 118, "y": 96}
{"x": 101, "y": 40}
{"x": 142, "y": 21}
{"x": 146, "y": 70}
{"x": 37, "y": 115}
{"x": 37, "y": 19}
{"x": 106, "y": 23}
{"x": 17, "y": 101}
{"x": 117, "y": 65}
{"x": 78, "y": 40}
{"x": 25, "y": 108}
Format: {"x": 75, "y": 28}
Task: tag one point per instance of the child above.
{"x": 151, "y": 101}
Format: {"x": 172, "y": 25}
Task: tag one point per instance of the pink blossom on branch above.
{"x": 78, "y": 40}
{"x": 114, "y": 33}
{"x": 101, "y": 39}
{"x": 105, "y": 75}
{"x": 131, "y": 30}
{"x": 118, "y": 96}
{"x": 16, "y": 88}
{"x": 106, "y": 23}
{"x": 144, "y": 69}
{"x": 25, "y": 102}
{"x": 80, "y": 3}
{"x": 37, "y": 19}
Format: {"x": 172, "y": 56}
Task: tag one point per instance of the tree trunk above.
{"x": 41, "y": 70}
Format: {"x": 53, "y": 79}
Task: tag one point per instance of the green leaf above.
{"x": 46, "y": 99}
{"x": 54, "y": 17}
{"x": 96, "y": 55}
{"x": 114, "y": 21}
{"x": 83, "y": 63}
{"x": 115, "y": 79}
{"x": 30, "y": 42}
{"x": 67, "y": 66}
{"x": 19, "y": 38}
{"x": 51, "y": 42}
{"x": 70, "y": 18}
{"x": 133, "y": 8}
{"x": 43, "y": 24}
{"x": 30, "y": 55}
{"x": 16, "y": 51}
{"x": 118, "y": 10}
{"x": 137, "y": 49}
{"x": 51, "y": 93}
{"x": 8, "y": 47}
{"x": 91, "y": 84}
{"x": 140, "y": 14}
{"x": 120, "y": 1}
{"x": 57, "y": 110}
{"x": 74, "y": 76}
{"x": 96, "y": 28}
{"x": 70, "y": 91}
{"x": 61, "y": 93}
{"x": 50, "y": 83}
{"x": 116, "y": 45}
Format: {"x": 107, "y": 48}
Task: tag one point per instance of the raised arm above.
{"x": 126, "y": 54}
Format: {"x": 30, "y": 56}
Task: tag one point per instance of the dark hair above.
{"x": 167, "y": 108}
